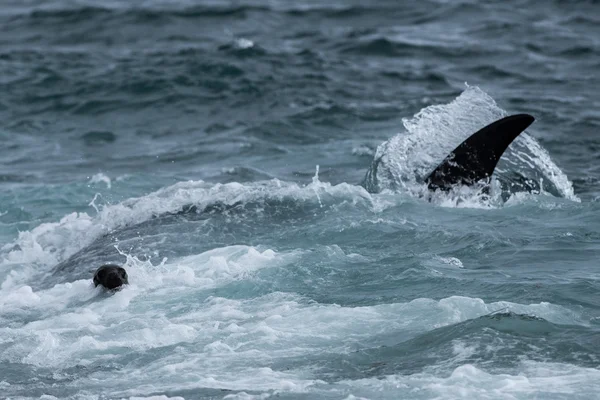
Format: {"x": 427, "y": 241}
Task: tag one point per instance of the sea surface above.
{"x": 258, "y": 167}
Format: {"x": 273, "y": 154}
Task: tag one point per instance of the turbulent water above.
{"x": 258, "y": 166}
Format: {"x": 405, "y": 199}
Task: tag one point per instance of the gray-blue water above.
{"x": 219, "y": 150}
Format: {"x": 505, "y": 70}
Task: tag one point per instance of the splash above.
{"x": 101, "y": 178}
{"x": 404, "y": 161}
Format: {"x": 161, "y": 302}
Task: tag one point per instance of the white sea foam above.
{"x": 53, "y": 242}
{"x": 203, "y": 341}
{"x": 535, "y": 380}
{"x": 243, "y": 43}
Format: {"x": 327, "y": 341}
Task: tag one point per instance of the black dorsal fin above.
{"x": 476, "y": 158}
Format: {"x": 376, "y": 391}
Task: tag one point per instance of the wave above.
{"x": 287, "y": 342}
{"x": 86, "y": 14}
{"x": 399, "y": 46}
{"x": 535, "y": 379}
{"x": 51, "y": 243}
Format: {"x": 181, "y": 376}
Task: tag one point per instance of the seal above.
{"x": 111, "y": 276}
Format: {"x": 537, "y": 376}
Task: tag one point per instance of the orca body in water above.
{"x": 475, "y": 159}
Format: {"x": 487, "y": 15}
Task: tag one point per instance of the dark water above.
{"x": 219, "y": 151}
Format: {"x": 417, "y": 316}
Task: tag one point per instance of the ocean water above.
{"x": 257, "y": 167}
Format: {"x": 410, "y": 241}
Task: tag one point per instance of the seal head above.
{"x": 111, "y": 276}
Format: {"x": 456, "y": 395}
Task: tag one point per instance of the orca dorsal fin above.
{"x": 476, "y": 158}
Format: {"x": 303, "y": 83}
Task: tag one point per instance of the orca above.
{"x": 111, "y": 276}
{"x": 475, "y": 159}
{"x": 471, "y": 163}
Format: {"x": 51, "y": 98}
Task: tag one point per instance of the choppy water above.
{"x": 220, "y": 151}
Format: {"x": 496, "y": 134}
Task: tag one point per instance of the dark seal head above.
{"x": 111, "y": 276}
